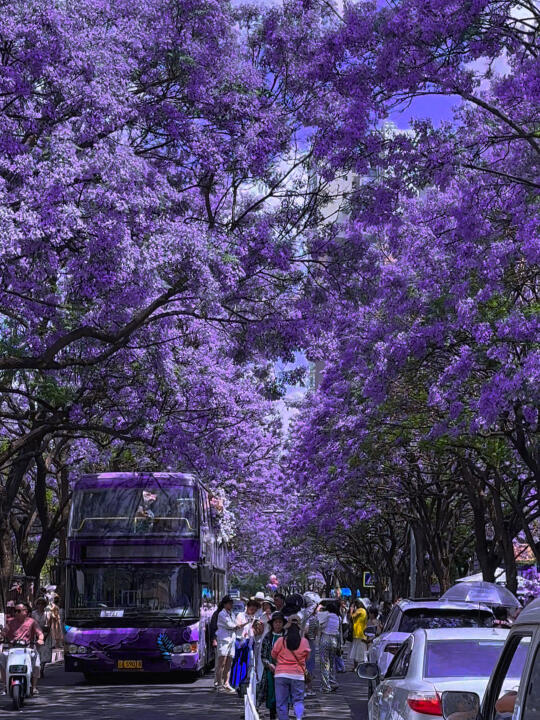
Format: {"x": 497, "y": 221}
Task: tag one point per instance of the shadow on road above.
{"x": 66, "y": 696}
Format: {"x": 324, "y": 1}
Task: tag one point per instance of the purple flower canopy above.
{"x": 192, "y": 193}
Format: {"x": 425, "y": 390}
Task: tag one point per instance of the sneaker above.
{"x": 334, "y": 688}
{"x": 228, "y": 689}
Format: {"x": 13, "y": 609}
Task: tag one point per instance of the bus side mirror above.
{"x": 205, "y": 575}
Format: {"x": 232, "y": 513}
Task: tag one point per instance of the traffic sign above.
{"x": 369, "y": 579}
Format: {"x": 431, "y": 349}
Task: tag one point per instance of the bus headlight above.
{"x": 186, "y": 648}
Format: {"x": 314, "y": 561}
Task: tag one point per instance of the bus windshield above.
{"x": 134, "y": 589}
{"x": 135, "y": 511}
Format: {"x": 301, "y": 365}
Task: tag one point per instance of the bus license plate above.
{"x": 129, "y": 665}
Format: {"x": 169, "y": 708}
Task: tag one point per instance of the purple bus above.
{"x": 144, "y": 571}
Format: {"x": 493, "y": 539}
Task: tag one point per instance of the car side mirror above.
{"x": 367, "y": 671}
{"x": 458, "y": 705}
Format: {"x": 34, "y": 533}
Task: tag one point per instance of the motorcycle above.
{"x": 18, "y": 672}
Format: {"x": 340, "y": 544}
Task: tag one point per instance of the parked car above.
{"x": 410, "y": 615}
{"x": 431, "y": 662}
{"x": 514, "y": 687}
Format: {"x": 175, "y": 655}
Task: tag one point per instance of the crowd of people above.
{"x": 280, "y": 637}
{"x": 40, "y": 627}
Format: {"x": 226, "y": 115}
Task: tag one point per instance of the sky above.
{"x": 437, "y": 108}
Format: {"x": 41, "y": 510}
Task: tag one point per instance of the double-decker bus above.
{"x": 144, "y": 571}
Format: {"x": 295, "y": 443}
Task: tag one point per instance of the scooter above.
{"x": 18, "y": 672}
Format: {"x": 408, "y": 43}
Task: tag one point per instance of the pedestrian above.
{"x": 57, "y": 625}
{"x": 212, "y": 639}
{"x": 43, "y": 618}
{"x": 310, "y": 627}
{"x": 258, "y": 635}
{"x": 293, "y": 605}
{"x": 329, "y": 622}
{"x": 266, "y": 691}
{"x": 359, "y": 622}
{"x": 290, "y": 654}
{"x": 238, "y": 678}
{"x": 340, "y": 663}
{"x": 344, "y": 614}
{"x": 279, "y": 601}
{"x": 225, "y": 637}
{"x": 501, "y": 617}
{"x": 385, "y": 609}
{"x": 22, "y": 628}
{"x": 373, "y": 627}
{"x": 265, "y": 613}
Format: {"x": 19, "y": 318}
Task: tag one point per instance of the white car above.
{"x": 431, "y": 662}
{"x": 410, "y": 615}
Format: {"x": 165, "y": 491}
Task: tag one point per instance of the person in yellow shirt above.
{"x": 359, "y": 618}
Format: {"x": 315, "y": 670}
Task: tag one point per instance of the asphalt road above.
{"x": 67, "y": 696}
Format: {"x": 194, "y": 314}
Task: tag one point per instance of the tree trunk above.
{"x": 8, "y": 493}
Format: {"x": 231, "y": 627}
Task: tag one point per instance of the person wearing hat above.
{"x": 265, "y": 613}
{"x": 293, "y": 605}
{"x": 290, "y": 653}
{"x": 227, "y": 626}
{"x": 266, "y": 691}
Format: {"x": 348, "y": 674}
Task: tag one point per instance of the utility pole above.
{"x": 412, "y": 576}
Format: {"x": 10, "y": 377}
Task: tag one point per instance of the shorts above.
{"x": 36, "y": 662}
{"x": 226, "y": 647}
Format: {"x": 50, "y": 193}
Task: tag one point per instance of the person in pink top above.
{"x": 290, "y": 654}
{"x": 24, "y": 629}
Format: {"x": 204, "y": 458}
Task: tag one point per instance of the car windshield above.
{"x": 135, "y": 511}
{"x": 133, "y": 589}
{"x": 467, "y": 658}
{"x": 427, "y": 618}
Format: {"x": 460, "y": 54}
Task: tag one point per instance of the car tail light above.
{"x": 425, "y": 703}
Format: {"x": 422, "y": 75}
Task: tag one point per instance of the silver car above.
{"x": 430, "y": 662}
{"x": 410, "y": 615}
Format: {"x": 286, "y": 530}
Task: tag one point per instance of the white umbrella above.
{"x": 481, "y": 592}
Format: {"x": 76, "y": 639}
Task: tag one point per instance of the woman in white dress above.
{"x": 227, "y": 627}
